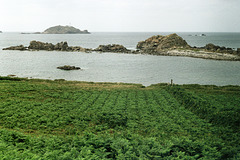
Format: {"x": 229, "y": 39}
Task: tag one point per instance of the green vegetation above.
{"x": 43, "y": 119}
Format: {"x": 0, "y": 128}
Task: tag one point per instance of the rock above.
{"x": 159, "y": 43}
{"x": 211, "y": 47}
{"x": 64, "y": 30}
{"x": 11, "y": 75}
{"x": 20, "y": 48}
{"x": 62, "y": 46}
{"x": 238, "y": 51}
{"x": 79, "y": 49}
{"x": 214, "y": 48}
{"x": 30, "y": 33}
{"x": 37, "y": 45}
{"x": 0, "y": 31}
{"x": 67, "y": 67}
{"x": 112, "y": 48}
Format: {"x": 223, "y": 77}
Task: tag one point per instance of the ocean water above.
{"x": 113, "y": 67}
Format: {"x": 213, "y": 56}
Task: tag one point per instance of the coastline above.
{"x": 106, "y": 85}
{"x": 170, "y": 45}
{"x": 202, "y": 54}
{"x": 172, "y": 52}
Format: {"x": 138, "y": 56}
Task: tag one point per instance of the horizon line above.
{"x": 135, "y": 31}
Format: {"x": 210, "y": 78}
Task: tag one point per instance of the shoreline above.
{"x": 202, "y": 55}
{"x": 175, "y": 52}
{"x": 95, "y": 84}
{"x": 170, "y": 45}
{"x": 190, "y": 53}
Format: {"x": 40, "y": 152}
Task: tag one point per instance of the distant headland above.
{"x": 64, "y": 30}
{"x": 61, "y": 30}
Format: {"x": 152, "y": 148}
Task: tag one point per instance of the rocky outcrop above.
{"x": 37, "y": 45}
{"x": 116, "y": 48}
{"x": 173, "y": 45}
{"x": 214, "y": 48}
{"x": 202, "y": 54}
{"x": 20, "y": 48}
{"x": 64, "y": 30}
{"x": 159, "y": 43}
{"x": 238, "y": 51}
{"x": 62, "y": 46}
{"x": 79, "y": 49}
{"x": 170, "y": 45}
{"x": 0, "y": 31}
{"x": 67, "y": 67}
{"x": 30, "y": 32}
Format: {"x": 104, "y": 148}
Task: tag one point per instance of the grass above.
{"x": 44, "y": 119}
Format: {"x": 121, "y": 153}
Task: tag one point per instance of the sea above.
{"x": 119, "y": 67}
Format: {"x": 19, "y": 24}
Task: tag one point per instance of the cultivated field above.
{"x": 43, "y": 119}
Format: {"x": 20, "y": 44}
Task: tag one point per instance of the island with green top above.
{"x": 60, "y": 30}
{"x": 64, "y": 30}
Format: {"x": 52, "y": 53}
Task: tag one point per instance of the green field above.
{"x": 43, "y": 119}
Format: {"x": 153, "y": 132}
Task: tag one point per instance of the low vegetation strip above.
{"x": 42, "y": 119}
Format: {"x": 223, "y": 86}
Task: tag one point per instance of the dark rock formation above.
{"x": 62, "y": 46}
{"x": 238, "y": 51}
{"x": 159, "y": 43}
{"x": 214, "y": 48}
{"x": 79, "y": 49}
{"x": 31, "y": 33}
{"x": 197, "y": 35}
{"x": 20, "y": 48}
{"x": 67, "y": 67}
{"x": 37, "y": 45}
{"x": 116, "y": 48}
{"x": 0, "y": 31}
{"x": 64, "y": 30}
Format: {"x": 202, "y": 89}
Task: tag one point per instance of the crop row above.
{"x": 116, "y": 123}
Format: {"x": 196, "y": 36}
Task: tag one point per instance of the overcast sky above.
{"x": 122, "y": 15}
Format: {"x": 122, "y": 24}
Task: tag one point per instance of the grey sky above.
{"x": 122, "y": 15}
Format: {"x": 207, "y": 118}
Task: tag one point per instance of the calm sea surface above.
{"x": 112, "y": 67}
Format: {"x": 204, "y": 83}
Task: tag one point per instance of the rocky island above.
{"x": 174, "y": 45}
{"x": 64, "y": 30}
{"x": 116, "y": 48}
{"x": 170, "y": 45}
{"x": 60, "y": 30}
{"x": 37, "y": 45}
{"x": 63, "y": 46}
{"x": 68, "y": 67}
